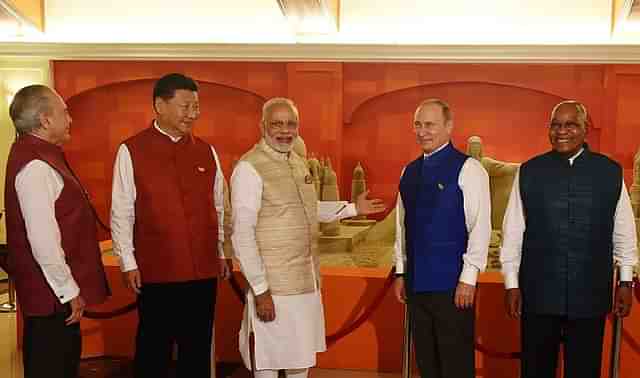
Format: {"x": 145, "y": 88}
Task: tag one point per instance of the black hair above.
{"x": 166, "y": 86}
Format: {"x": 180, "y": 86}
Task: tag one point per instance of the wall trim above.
{"x": 584, "y": 54}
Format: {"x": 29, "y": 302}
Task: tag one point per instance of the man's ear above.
{"x": 449, "y": 126}
{"x": 44, "y": 121}
{"x": 158, "y": 105}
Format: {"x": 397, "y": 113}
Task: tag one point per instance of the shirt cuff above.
{"x": 626, "y": 273}
{"x": 400, "y": 268}
{"x": 221, "y": 250}
{"x": 67, "y": 292}
{"x": 349, "y": 211}
{"x": 128, "y": 263}
{"x": 511, "y": 280}
{"x": 260, "y": 288}
{"x": 469, "y": 275}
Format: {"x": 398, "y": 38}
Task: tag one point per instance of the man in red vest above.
{"x": 54, "y": 257}
{"x": 167, "y": 212}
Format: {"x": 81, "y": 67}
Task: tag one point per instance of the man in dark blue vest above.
{"x": 443, "y": 230}
{"x": 568, "y": 219}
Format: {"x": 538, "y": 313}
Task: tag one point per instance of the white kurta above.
{"x": 292, "y": 340}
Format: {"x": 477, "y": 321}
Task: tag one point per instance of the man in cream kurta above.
{"x": 275, "y": 223}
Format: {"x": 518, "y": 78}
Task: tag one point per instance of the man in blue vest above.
{"x": 568, "y": 219}
{"x": 443, "y": 230}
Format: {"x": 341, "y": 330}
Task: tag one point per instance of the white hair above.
{"x": 278, "y": 101}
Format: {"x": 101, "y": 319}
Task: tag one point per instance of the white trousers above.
{"x": 290, "y": 373}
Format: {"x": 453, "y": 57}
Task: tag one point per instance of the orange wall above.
{"x": 349, "y": 112}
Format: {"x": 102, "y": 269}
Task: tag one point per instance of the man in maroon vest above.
{"x": 166, "y": 221}
{"x": 54, "y": 257}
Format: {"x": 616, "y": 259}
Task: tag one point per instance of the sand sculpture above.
{"x": 358, "y": 186}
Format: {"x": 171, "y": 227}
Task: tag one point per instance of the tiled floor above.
{"x": 9, "y": 358}
{"x": 11, "y": 366}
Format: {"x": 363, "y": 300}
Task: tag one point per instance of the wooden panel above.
{"x": 263, "y": 79}
{"x": 627, "y": 135}
{"x": 367, "y": 80}
{"x": 316, "y": 88}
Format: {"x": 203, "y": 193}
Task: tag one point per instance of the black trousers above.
{"x": 541, "y": 336}
{"x": 51, "y": 349}
{"x": 180, "y": 312}
{"x": 443, "y": 336}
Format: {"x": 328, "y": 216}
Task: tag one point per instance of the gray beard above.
{"x": 282, "y": 148}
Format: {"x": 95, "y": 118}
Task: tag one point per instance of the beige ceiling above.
{"x": 418, "y": 22}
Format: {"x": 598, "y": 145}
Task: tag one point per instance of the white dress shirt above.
{"x": 474, "y": 183}
{"x": 38, "y": 186}
{"x": 513, "y": 227}
{"x": 123, "y": 198}
{"x": 246, "y": 201}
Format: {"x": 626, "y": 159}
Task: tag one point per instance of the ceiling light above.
{"x": 311, "y": 16}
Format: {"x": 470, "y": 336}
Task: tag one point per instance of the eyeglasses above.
{"x": 569, "y": 126}
{"x": 283, "y": 126}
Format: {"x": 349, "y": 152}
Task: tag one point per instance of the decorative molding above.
{"x": 328, "y": 53}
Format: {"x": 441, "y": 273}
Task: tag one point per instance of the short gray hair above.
{"x": 446, "y": 110}
{"x": 278, "y": 101}
{"x": 581, "y": 110}
{"x": 28, "y": 105}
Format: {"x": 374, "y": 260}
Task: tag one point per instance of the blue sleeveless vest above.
{"x": 435, "y": 229}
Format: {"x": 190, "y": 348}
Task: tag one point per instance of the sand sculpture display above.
{"x": 358, "y": 186}
{"x": 330, "y": 193}
{"x": 314, "y": 169}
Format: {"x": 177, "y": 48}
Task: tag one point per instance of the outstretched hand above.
{"x": 366, "y": 206}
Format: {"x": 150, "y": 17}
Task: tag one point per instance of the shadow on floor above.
{"x": 115, "y": 367}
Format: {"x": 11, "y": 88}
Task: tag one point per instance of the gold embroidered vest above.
{"x": 287, "y": 227}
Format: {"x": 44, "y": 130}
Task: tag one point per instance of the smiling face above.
{"x": 568, "y": 130}
{"x": 280, "y": 128}
{"x": 177, "y": 115}
{"x": 431, "y": 128}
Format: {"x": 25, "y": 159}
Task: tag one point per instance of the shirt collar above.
{"x": 173, "y": 139}
{"x": 426, "y": 156}
{"x": 574, "y": 157}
